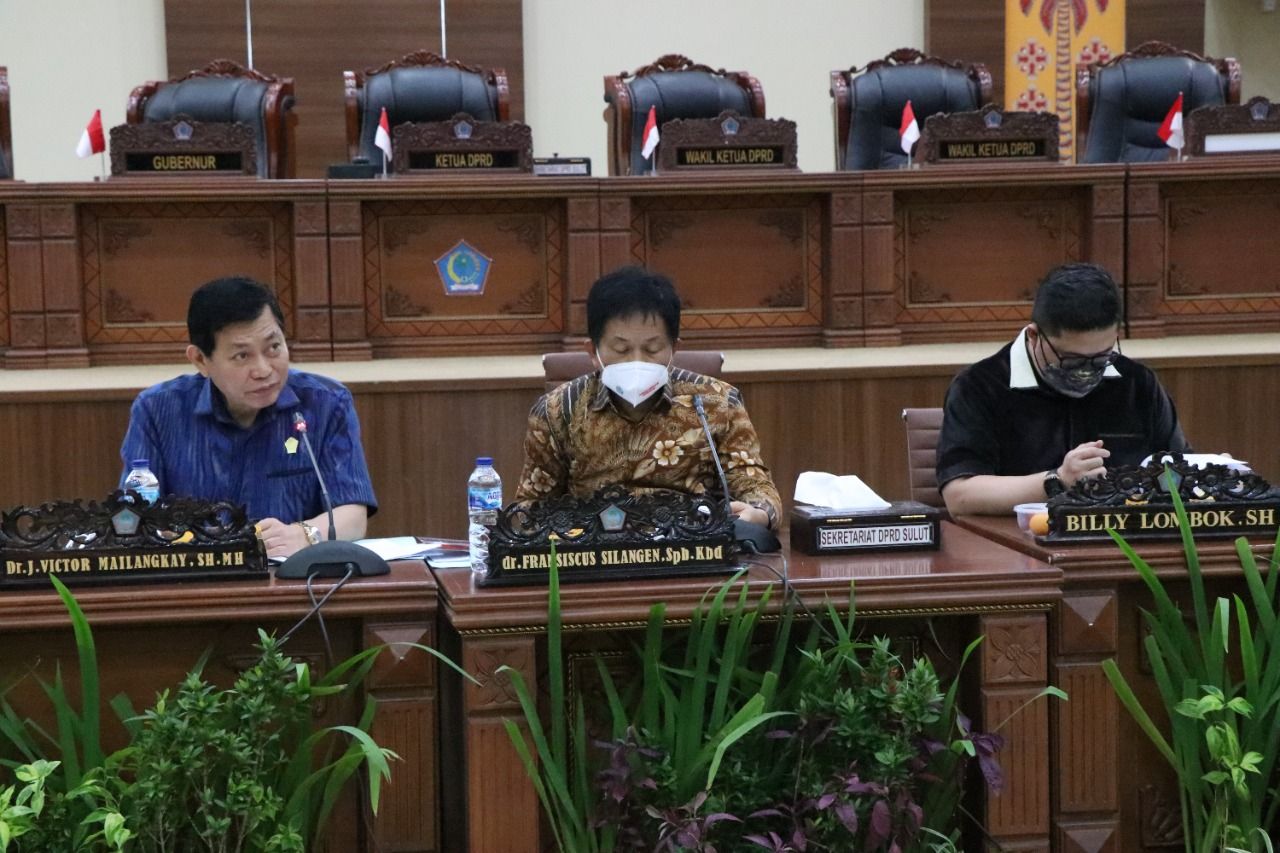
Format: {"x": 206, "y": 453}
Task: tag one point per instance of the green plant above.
{"x": 1220, "y": 689}
{"x": 829, "y": 742}
{"x": 241, "y": 768}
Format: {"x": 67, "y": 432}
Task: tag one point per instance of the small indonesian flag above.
{"x": 92, "y": 141}
{"x": 382, "y": 136}
{"x": 909, "y": 132}
{"x": 1171, "y": 130}
{"x": 650, "y": 133}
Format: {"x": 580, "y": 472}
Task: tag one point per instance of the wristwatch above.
{"x": 1053, "y": 484}
{"x": 313, "y": 535}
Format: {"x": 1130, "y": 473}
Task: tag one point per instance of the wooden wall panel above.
{"x": 944, "y": 260}
{"x": 421, "y": 438}
{"x": 126, "y": 248}
{"x": 315, "y": 42}
{"x": 968, "y": 30}
{"x": 749, "y": 264}
{"x": 408, "y": 309}
{"x": 1199, "y": 258}
{"x": 4, "y": 284}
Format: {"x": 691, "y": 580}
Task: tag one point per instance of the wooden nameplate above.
{"x": 462, "y": 145}
{"x": 1239, "y": 129}
{"x": 1137, "y": 503}
{"x": 989, "y": 135}
{"x": 124, "y": 539}
{"x": 612, "y": 535}
{"x": 183, "y": 146}
{"x": 728, "y": 141}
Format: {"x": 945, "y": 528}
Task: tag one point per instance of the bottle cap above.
{"x": 484, "y": 461}
{"x": 140, "y": 463}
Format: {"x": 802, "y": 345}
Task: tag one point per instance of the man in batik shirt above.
{"x": 633, "y": 421}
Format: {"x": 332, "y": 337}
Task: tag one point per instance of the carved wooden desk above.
{"x": 971, "y": 585}
{"x": 1113, "y": 791}
{"x": 149, "y": 636}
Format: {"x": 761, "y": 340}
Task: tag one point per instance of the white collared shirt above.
{"x": 1022, "y": 374}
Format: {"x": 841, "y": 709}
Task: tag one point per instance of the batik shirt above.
{"x": 578, "y": 442}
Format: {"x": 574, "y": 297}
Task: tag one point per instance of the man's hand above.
{"x": 1087, "y": 460}
{"x": 747, "y": 512}
{"x": 281, "y": 539}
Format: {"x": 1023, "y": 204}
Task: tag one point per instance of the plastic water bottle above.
{"x": 484, "y": 499}
{"x": 143, "y": 481}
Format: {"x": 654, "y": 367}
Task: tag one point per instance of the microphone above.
{"x": 300, "y": 427}
{"x": 751, "y": 536}
{"x": 715, "y": 453}
{"x": 331, "y": 558}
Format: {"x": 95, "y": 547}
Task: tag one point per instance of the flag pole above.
{"x": 384, "y": 164}
{"x": 248, "y": 30}
{"x": 102, "y": 162}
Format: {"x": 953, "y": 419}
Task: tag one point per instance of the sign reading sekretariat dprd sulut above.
{"x": 904, "y": 526}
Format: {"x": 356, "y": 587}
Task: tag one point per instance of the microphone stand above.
{"x": 750, "y": 536}
{"x": 331, "y": 558}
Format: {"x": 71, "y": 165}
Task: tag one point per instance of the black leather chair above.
{"x": 226, "y": 91}
{"x": 1122, "y": 103}
{"x": 679, "y": 88}
{"x": 868, "y": 105}
{"x": 419, "y": 87}
{"x": 6, "y": 136}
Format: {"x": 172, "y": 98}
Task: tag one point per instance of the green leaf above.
{"x": 1215, "y": 777}
{"x": 1135, "y": 709}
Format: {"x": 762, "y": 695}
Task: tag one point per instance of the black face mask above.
{"x": 1072, "y": 383}
{"x": 1075, "y": 376}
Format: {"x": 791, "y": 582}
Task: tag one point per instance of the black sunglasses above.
{"x": 1096, "y": 362}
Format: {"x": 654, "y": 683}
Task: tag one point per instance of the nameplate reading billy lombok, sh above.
{"x": 125, "y": 539}
{"x": 611, "y": 535}
{"x": 1137, "y": 503}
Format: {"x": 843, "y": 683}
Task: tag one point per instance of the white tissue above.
{"x": 1202, "y": 459}
{"x": 818, "y": 488}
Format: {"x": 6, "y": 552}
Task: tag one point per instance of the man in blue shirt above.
{"x": 228, "y": 432}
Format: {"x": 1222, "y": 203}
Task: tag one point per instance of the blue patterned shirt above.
{"x": 196, "y": 448}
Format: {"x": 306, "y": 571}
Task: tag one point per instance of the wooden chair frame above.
{"x": 279, "y": 125}
{"x": 619, "y": 115}
{"x": 841, "y": 83}
{"x": 353, "y": 82}
{"x": 1228, "y": 70}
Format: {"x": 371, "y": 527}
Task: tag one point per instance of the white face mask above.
{"x": 634, "y": 381}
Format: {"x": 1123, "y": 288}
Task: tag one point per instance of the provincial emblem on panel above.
{"x": 463, "y": 270}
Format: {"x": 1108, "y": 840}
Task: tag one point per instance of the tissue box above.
{"x": 904, "y": 526}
